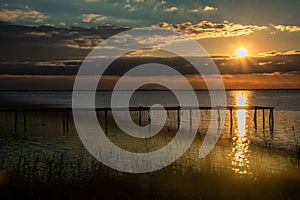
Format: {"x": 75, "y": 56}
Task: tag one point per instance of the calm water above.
{"x": 242, "y": 149}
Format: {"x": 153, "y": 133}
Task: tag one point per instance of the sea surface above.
{"x": 242, "y": 148}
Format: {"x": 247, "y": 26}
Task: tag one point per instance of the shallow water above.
{"x": 242, "y": 149}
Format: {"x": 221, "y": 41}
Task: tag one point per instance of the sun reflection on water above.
{"x": 240, "y": 142}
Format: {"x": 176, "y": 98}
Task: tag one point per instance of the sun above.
{"x": 241, "y": 52}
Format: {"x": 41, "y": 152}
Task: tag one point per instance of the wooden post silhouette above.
{"x": 178, "y": 117}
{"x": 231, "y": 120}
{"x": 219, "y": 118}
{"x": 263, "y": 118}
{"x": 106, "y": 121}
{"x": 255, "y": 118}
{"x": 140, "y": 115}
{"x": 191, "y": 121}
{"x": 146, "y": 112}
{"x": 98, "y": 114}
{"x": 149, "y": 121}
{"x": 271, "y": 120}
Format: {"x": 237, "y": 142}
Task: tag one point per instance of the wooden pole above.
{"x": 106, "y": 121}
{"x": 219, "y": 118}
{"x": 231, "y": 120}
{"x": 140, "y": 115}
{"x": 255, "y": 118}
{"x": 149, "y": 121}
{"x": 191, "y": 121}
{"x": 271, "y": 120}
{"x": 263, "y": 118}
{"x": 178, "y": 117}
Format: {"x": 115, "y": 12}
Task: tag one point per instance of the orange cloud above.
{"x": 87, "y": 18}
{"x": 13, "y": 15}
{"x": 171, "y": 9}
{"x": 287, "y": 28}
{"x": 207, "y": 29}
{"x": 209, "y": 8}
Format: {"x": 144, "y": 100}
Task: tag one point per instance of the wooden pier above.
{"x": 66, "y": 112}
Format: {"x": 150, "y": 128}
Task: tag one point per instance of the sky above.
{"x": 43, "y": 42}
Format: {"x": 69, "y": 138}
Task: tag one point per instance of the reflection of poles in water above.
{"x": 178, "y": 117}
{"x": 140, "y": 116}
{"x": 16, "y": 124}
{"x": 24, "y": 124}
{"x": 106, "y": 121}
{"x": 231, "y": 121}
{"x": 255, "y": 118}
{"x": 263, "y": 110}
{"x": 191, "y": 122}
{"x": 267, "y": 140}
{"x": 149, "y": 121}
{"x": 219, "y": 119}
{"x": 65, "y": 118}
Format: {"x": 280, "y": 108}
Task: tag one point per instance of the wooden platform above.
{"x": 66, "y": 110}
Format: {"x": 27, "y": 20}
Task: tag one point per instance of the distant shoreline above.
{"x": 143, "y": 90}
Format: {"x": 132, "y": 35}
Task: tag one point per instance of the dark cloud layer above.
{"x": 48, "y": 42}
{"x": 47, "y": 50}
{"x": 228, "y": 65}
{"x": 48, "y": 57}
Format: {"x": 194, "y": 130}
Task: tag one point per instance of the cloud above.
{"x": 59, "y": 52}
{"x": 95, "y": 18}
{"x": 278, "y": 53}
{"x": 207, "y": 29}
{"x": 90, "y": 1}
{"x": 269, "y": 62}
{"x": 272, "y": 80}
{"x": 13, "y": 15}
{"x": 129, "y": 7}
{"x": 194, "y": 10}
{"x": 265, "y": 63}
{"x": 171, "y": 9}
{"x": 209, "y": 8}
{"x": 287, "y": 28}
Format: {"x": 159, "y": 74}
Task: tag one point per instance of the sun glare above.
{"x": 241, "y": 52}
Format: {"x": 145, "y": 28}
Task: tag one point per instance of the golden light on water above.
{"x": 240, "y": 99}
{"x": 240, "y": 141}
{"x": 241, "y": 114}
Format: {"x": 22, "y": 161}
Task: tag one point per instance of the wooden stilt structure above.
{"x": 65, "y": 114}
